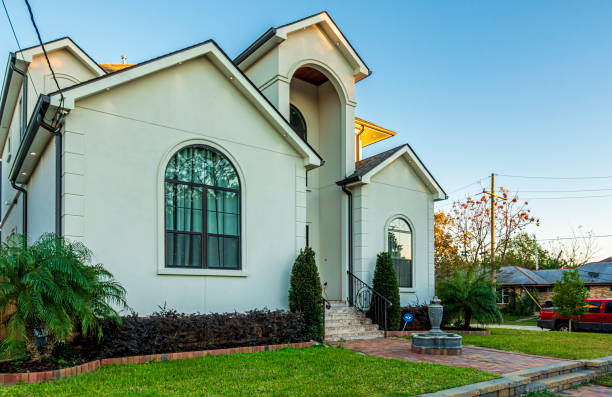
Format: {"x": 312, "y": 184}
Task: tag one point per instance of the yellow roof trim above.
{"x": 114, "y": 67}
{"x": 372, "y": 133}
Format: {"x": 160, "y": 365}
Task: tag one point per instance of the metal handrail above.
{"x": 369, "y": 301}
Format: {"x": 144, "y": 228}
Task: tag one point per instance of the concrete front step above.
{"x": 352, "y": 328}
{"x": 563, "y": 382}
{"x": 549, "y": 371}
{"x": 364, "y": 335}
{"x": 335, "y": 322}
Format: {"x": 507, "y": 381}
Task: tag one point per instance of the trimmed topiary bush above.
{"x": 385, "y": 283}
{"x": 306, "y": 293}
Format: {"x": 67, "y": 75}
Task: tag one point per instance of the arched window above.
{"x": 202, "y": 194}
{"x": 297, "y": 121}
{"x": 400, "y": 248}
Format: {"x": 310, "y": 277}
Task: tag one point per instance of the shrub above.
{"x": 51, "y": 289}
{"x": 468, "y": 296}
{"x": 306, "y": 293}
{"x": 385, "y": 283}
{"x": 168, "y": 331}
{"x": 420, "y": 317}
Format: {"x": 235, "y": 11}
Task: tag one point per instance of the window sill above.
{"x": 201, "y": 272}
{"x": 407, "y": 290}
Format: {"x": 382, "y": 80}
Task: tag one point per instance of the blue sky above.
{"x": 516, "y": 88}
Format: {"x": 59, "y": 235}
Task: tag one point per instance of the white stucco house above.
{"x": 196, "y": 179}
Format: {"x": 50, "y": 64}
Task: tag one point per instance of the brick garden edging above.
{"x": 454, "y": 331}
{"x": 37, "y": 377}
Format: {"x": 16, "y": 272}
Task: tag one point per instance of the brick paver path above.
{"x": 588, "y": 391}
{"x": 490, "y": 360}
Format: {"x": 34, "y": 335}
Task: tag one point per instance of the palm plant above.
{"x": 50, "y": 288}
{"x": 468, "y": 295}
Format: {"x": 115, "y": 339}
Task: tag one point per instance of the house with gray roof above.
{"x": 597, "y": 277}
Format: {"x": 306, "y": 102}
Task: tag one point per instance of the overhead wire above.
{"x": 18, "y": 44}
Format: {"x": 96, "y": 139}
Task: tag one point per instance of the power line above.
{"x": 566, "y": 197}
{"x": 555, "y": 177}
{"x": 479, "y": 181}
{"x": 43, "y": 48}
{"x": 574, "y": 238}
{"x": 18, "y": 44}
{"x": 562, "y": 191}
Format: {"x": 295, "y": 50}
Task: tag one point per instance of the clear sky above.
{"x": 516, "y": 87}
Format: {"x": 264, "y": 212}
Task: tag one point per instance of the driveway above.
{"x": 489, "y": 360}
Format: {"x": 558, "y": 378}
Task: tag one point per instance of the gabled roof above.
{"x": 370, "y": 166}
{"x": 58, "y": 44}
{"x": 371, "y": 133}
{"x": 591, "y": 273}
{"x": 274, "y": 36}
{"x": 209, "y": 48}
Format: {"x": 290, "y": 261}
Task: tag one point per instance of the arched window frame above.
{"x": 404, "y": 218}
{"x": 161, "y": 207}
{"x": 301, "y": 134}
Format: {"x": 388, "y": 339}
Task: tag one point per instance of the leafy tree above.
{"x": 468, "y": 296}
{"x": 569, "y": 295}
{"x": 470, "y": 225}
{"x": 385, "y": 283}
{"x": 306, "y": 293}
{"x": 446, "y": 256}
{"x": 50, "y": 288}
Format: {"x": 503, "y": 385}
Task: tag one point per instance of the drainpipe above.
{"x": 24, "y": 108}
{"x": 350, "y": 239}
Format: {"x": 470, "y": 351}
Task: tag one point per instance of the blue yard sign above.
{"x": 407, "y": 318}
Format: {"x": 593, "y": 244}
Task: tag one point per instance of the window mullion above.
{"x": 204, "y": 228}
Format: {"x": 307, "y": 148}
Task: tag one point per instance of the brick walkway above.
{"x": 490, "y": 360}
{"x": 588, "y": 391}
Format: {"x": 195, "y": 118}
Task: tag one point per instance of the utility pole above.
{"x": 493, "y": 196}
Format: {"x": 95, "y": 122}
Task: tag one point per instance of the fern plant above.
{"x": 468, "y": 296}
{"x": 51, "y": 289}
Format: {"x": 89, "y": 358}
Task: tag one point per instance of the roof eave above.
{"x": 10, "y": 93}
{"x": 34, "y": 140}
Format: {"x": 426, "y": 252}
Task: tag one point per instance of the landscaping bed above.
{"x": 573, "y": 346}
{"x": 311, "y": 371}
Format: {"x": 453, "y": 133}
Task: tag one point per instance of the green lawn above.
{"x": 604, "y": 381}
{"x": 575, "y": 345}
{"x": 311, "y": 371}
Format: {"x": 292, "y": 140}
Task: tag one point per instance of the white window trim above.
{"x": 161, "y": 205}
{"x": 412, "y": 289}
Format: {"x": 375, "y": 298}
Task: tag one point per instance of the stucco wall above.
{"x": 396, "y": 191}
{"x": 127, "y": 133}
{"x": 41, "y": 195}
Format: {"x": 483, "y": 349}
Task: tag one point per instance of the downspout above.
{"x": 350, "y": 239}
{"x": 24, "y": 107}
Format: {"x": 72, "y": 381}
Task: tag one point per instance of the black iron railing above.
{"x": 369, "y": 301}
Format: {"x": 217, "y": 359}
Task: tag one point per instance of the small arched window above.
{"x": 297, "y": 122}
{"x": 400, "y": 247}
{"x": 202, "y": 210}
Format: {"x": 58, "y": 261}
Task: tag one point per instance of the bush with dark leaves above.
{"x": 168, "y": 331}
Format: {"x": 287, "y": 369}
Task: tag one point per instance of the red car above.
{"x": 597, "y": 318}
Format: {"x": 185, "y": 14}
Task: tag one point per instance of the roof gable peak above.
{"x": 276, "y": 35}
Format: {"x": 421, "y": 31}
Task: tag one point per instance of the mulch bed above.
{"x": 35, "y": 366}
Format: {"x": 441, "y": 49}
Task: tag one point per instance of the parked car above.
{"x": 597, "y": 318}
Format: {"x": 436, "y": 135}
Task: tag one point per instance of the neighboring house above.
{"x": 597, "y": 277}
{"x": 196, "y": 179}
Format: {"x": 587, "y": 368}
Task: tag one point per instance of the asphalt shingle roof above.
{"x": 591, "y": 273}
{"x": 368, "y": 164}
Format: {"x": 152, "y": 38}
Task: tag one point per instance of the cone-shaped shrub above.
{"x": 385, "y": 283}
{"x": 306, "y": 293}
